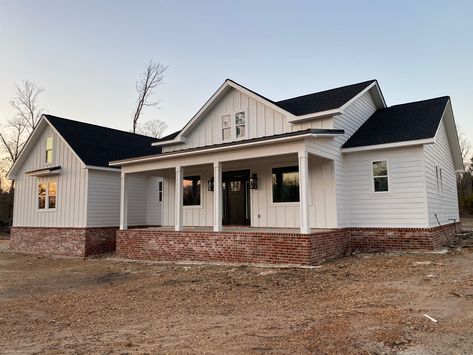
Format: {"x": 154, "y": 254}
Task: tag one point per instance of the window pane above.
{"x": 49, "y": 156}
{"x": 240, "y": 131}
{"x": 380, "y": 168}
{"x": 226, "y": 121}
{"x": 52, "y": 195}
{"x": 226, "y": 133}
{"x": 42, "y": 196}
{"x": 286, "y": 184}
{"x": 191, "y": 193}
{"x": 49, "y": 143}
{"x": 380, "y": 184}
{"x": 240, "y": 118}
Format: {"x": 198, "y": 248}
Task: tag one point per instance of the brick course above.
{"x": 63, "y": 241}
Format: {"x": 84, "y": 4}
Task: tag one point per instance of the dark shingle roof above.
{"x": 400, "y": 123}
{"x": 323, "y": 100}
{"x": 97, "y": 145}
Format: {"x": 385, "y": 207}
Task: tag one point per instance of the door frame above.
{"x": 236, "y": 175}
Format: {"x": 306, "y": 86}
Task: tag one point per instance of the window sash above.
{"x": 285, "y": 183}
{"x": 191, "y": 190}
{"x": 47, "y": 195}
{"x": 380, "y": 176}
{"x": 49, "y": 150}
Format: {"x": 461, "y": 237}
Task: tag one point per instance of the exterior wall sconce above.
{"x": 254, "y": 182}
{"x": 210, "y": 184}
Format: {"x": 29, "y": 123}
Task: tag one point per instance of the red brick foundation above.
{"x": 275, "y": 248}
{"x": 64, "y": 241}
{"x": 386, "y": 239}
{"x": 232, "y": 247}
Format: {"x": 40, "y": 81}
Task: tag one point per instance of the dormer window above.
{"x": 226, "y": 127}
{"x": 240, "y": 124}
{"x": 49, "y": 150}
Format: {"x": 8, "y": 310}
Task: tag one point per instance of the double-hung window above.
{"x": 47, "y": 193}
{"x": 240, "y": 124}
{"x": 380, "y": 176}
{"x": 226, "y": 127}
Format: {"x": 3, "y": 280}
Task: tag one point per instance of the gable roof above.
{"x": 97, "y": 145}
{"x": 298, "y": 108}
{"x": 400, "y": 123}
{"x": 323, "y": 100}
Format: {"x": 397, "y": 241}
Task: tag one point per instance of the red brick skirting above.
{"x": 274, "y": 248}
{"x": 64, "y": 241}
{"x": 231, "y": 247}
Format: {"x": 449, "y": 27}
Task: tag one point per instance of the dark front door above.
{"x": 236, "y": 198}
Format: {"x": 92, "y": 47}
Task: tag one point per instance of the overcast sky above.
{"x": 87, "y": 55}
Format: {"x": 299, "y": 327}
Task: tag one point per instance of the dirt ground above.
{"x": 361, "y": 304}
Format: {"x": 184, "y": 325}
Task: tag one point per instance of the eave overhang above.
{"x": 54, "y": 170}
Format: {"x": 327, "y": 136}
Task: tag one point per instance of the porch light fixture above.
{"x": 210, "y": 184}
{"x": 254, "y": 182}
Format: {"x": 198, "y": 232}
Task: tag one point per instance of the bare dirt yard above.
{"x": 364, "y": 304}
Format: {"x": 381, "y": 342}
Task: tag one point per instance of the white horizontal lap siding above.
{"x": 71, "y": 187}
{"x": 444, "y": 203}
{"x": 103, "y": 203}
{"x": 403, "y": 206}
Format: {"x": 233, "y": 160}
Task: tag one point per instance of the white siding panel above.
{"x": 71, "y": 192}
{"x": 441, "y": 202}
{"x": 403, "y": 206}
{"x": 103, "y": 203}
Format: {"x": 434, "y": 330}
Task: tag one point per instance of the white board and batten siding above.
{"x": 404, "y": 205}
{"x": 441, "y": 194}
{"x": 71, "y": 204}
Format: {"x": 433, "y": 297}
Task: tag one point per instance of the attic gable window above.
{"x": 240, "y": 124}
{"x": 380, "y": 176}
{"x": 49, "y": 150}
{"x": 226, "y": 127}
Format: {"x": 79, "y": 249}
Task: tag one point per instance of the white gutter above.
{"x": 219, "y": 149}
{"x": 93, "y": 167}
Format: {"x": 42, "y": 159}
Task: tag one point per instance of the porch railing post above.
{"x": 178, "y": 201}
{"x": 218, "y": 200}
{"x": 123, "y": 202}
{"x": 304, "y": 191}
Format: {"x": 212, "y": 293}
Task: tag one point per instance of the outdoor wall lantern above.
{"x": 254, "y": 182}
{"x": 210, "y": 184}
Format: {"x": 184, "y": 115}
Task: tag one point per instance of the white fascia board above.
{"x": 102, "y": 168}
{"x": 217, "y": 149}
{"x": 389, "y": 145}
{"x": 311, "y": 116}
{"x": 357, "y": 96}
{"x": 177, "y": 140}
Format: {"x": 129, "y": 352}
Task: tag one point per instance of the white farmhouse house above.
{"x": 66, "y": 196}
{"x": 249, "y": 179}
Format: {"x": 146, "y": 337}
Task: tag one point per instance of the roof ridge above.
{"x": 323, "y": 91}
{"x": 419, "y": 101}
{"x": 96, "y": 125}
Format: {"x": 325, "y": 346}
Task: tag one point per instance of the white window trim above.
{"x": 202, "y": 180}
{"x": 284, "y": 204}
{"x": 46, "y": 208}
{"x": 233, "y": 126}
{"x": 387, "y": 175}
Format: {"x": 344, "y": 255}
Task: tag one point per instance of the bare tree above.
{"x": 13, "y": 138}
{"x": 151, "y": 78}
{"x": 152, "y": 128}
{"x": 26, "y": 105}
{"x": 465, "y": 146}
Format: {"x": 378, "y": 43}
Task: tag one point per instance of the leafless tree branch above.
{"x": 26, "y": 104}
{"x": 151, "y": 78}
{"x": 153, "y": 128}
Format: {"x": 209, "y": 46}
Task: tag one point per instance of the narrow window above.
{"x": 41, "y": 196}
{"x": 286, "y": 184}
{"x": 52, "y": 195}
{"x": 441, "y": 180}
{"x": 49, "y": 150}
{"x": 380, "y": 176}
{"x": 226, "y": 127}
{"x": 240, "y": 124}
{"x": 191, "y": 193}
{"x": 160, "y": 191}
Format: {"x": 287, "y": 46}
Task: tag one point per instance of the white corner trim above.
{"x": 389, "y": 145}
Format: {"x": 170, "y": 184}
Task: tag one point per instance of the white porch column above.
{"x": 178, "y": 202}
{"x": 304, "y": 191}
{"x": 218, "y": 198}
{"x": 123, "y": 202}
